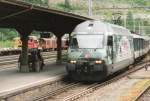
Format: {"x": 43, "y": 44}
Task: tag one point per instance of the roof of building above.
{"x": 17, "y": 14}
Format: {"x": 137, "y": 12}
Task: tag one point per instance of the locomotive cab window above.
{"x": 74, "y": 43}
{"x": 87, "y": 41}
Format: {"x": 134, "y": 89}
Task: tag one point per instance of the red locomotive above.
{"x": 33, "y": 42}
{"x": 46, "y": 44}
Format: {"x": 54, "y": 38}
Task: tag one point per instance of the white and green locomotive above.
{"x": 98, "y": 49}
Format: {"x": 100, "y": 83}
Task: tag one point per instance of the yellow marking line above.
{"x": 133, "y": 93}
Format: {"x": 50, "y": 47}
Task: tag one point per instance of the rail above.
{"x": 14, "y": 59}
{"x": 91, "y": 88}
{"x": 132, "y": 69}
{"x": 63, "y": 87}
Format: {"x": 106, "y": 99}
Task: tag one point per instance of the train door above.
{"x": 117, "y": 52}
{"x": 110, "y": 49}
{"x": 110, "y": 54}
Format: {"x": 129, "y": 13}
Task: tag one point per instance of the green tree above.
{"x": 130, "y": 21}
{"x": 7, "y": 34}
{"x": 140, "y": 2}
{"x": 38, "y": 2}
{"x": 67, "y": 3}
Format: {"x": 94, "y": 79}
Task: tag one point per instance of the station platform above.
{"x": 11, "y": 79}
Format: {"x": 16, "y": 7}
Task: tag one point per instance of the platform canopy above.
{"x": 17, "y": 14}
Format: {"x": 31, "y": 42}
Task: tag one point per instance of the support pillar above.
{"x": 24, "y": 67}
{"x": 59, "y": 49}
{"x": 69, "y": 37}
{"x": 24, "y": 55}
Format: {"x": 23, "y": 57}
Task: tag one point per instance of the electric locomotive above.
{"x": 98, "y": 49}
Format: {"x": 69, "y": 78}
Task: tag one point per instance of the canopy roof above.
{"x": 17, "y": 14}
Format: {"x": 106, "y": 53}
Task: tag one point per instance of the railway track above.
{"x": 14, "y": 65}
{"x": 5, "y": 60}
{"x": 144, "y": 96}
{"x": 74, "y": 94}
{"x": 55, "y": 92}
{"x": 66, "y": 90}
{"x": 15, "y": 60}
{"x": 9, "y": 51}
{"x": 12, "y": 51}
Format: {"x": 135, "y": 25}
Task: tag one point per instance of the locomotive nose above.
{"x": 85, "y": 66}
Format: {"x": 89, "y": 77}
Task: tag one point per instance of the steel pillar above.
{"x": 69, "y": 37}
{"x": 24, "y": 33}
{"x": 59, "y": 49}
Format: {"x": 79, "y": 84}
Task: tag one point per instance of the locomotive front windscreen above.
{"x": 87, "y": 41}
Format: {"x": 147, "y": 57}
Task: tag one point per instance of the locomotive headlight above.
{"x": 73, "y": 61}
{"x": 98, "y": 61}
